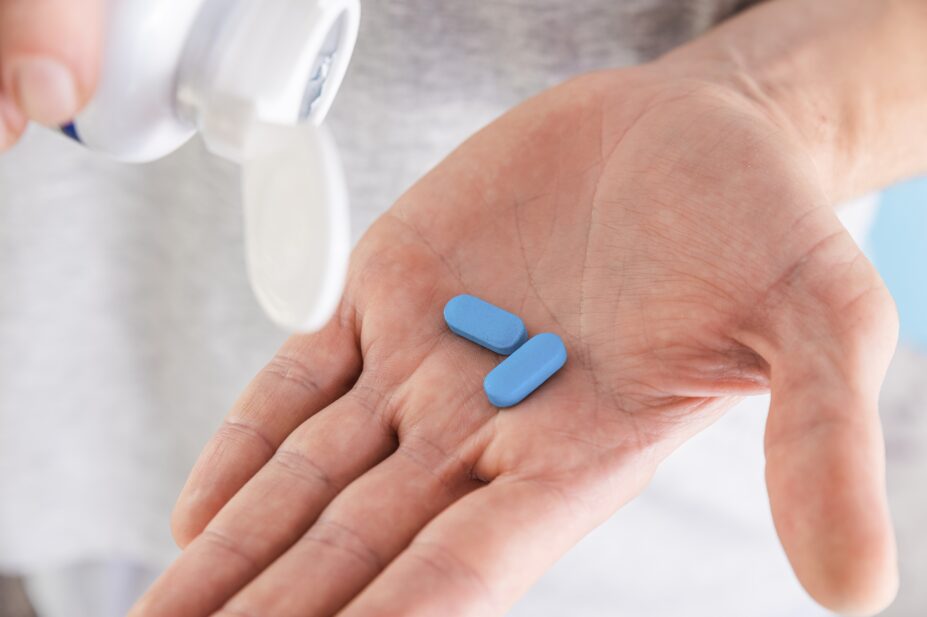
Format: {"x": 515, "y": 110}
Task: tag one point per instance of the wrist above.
{"x": 844, "y": 79}
{"x": 832, "y": 133}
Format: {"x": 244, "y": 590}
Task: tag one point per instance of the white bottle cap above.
{"x": 297, "y": 231}
{"x": 258, "y": 88}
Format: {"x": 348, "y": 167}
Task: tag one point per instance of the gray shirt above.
{"x": 127, "y": 326}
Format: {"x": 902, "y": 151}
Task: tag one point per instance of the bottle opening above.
{"x": 284, "y": 60}
{"x": 323, "y": 68}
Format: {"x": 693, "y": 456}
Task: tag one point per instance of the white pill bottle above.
{"x": 256, "y": 79}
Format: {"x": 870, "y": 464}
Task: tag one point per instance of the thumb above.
{"x": 835, "y": 332}
{"x": 49, "y": 57}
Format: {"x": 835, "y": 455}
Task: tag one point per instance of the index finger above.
{"x": 50, "y": 53}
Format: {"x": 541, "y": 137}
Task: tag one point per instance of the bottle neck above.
{"x": 268, "y": 61}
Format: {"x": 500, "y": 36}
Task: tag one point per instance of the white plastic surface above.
{"x": 297, "y": 230}
{"x": 132, "y": 115}
{"x": 167, "y": 61}
{"x": 266, "y": 54}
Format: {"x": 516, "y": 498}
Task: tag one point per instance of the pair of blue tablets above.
{"x": 530, "y": 363}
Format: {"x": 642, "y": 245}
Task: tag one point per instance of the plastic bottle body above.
{"x": 133, "y": 114}
{"x": 175, "y": 67}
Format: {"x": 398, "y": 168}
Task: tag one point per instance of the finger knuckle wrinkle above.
{"x": 227, "y": 545}
{"x": 872, "y": 303}
{"x": 447, "y": 565}
{"x": 445, "y": 467}
{"x": 238, "y": 431}
{"x": 290, "y": 370}
{"x": 230, "y": 611}
{"x": 304, "y": 468}
{"x": 345, "y": 540}
{"x": 379, "y": 406}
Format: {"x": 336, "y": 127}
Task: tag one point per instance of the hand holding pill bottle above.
{"x": 254, "y": 78}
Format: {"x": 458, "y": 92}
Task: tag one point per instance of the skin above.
{"x": 673, "y": 223}
{"x": 63, "y": 33}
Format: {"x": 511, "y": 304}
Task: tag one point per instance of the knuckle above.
{"x": 446, "y": 468}
{"x": 235, "y": 611}
{"x": 219, "y": 542}
{"x": 444, "y": 564}
{"x": 290, "y": 370}
{"x": 334, "y": 536}
{"x": 830, "y": 289}
{"x": 239, "y": 432}
{"x": 871, "y": 308}
{"x": 303, "y": 467}
{"x": 381, "y": 407}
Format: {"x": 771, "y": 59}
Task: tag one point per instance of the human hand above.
{"x": 676, "y": 236}
{"x": 49, "y": 57}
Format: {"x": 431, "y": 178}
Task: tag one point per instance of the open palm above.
{"x": 679, "y": 242}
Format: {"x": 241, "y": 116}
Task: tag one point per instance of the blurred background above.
{"x": 898, "y": 248}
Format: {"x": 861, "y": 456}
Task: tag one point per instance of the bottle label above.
{"x": 71, "y": 131}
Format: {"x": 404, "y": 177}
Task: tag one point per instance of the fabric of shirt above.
{"x": 127, "y": 326}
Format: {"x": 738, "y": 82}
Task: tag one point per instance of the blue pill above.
{"x": 525, "y": 370}
{"x": 485, "y": 324}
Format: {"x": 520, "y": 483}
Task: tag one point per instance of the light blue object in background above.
{"x": 526, "y": 370}
{"x": 898, "y": 247}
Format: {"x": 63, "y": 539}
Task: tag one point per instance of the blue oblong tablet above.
{"x": 525, "y": 370}
{"x": 485, "y": 324}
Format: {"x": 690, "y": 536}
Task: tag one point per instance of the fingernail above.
{"x": 12, "y": 122}
{"x": 45, "y": 90}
